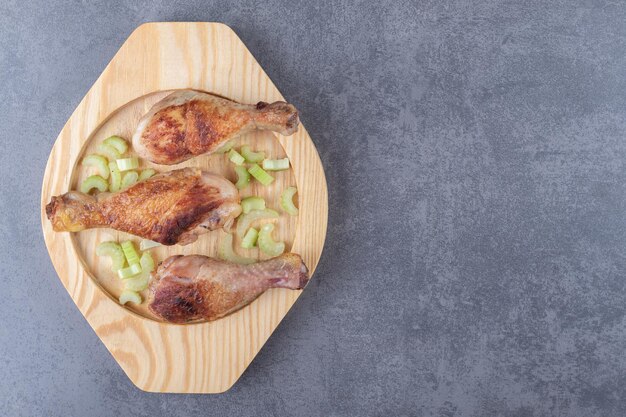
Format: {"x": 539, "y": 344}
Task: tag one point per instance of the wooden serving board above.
{"x": 156, "y": 59}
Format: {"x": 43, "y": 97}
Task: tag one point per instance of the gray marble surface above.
{"x": 476, "y": 254}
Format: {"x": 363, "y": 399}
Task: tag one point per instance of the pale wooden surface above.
{"x": 161, "y": 357}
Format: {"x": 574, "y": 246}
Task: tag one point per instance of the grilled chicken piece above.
{"x": 195, "y": 287}
{"x": 188, "y": 123}
{"x": 169, "y": 208}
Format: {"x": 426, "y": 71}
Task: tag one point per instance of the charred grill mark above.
{"x": 206, "y": 133}
{"x": 165, "y": 135}
{"x": 187, "y": 303}
{"x": 201, "y": 131}
{"x": 178, "y": 303}
{"x": 174, "y": 228}
{"x": 184, "y": 304}
{"x": 191, "y": 209}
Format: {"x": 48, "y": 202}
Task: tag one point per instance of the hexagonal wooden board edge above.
{"x": 161, "y": 357}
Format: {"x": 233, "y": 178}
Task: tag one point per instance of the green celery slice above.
{"x": 146, "y": 262}
{"x": 115, "y": 182}
{"x": 109, "y": 151}
{"x": 251, "y": 156}
{"x": 128, "y": 296}
{"x": 99, "y": 162}
{"x": 243, "y": 177}
{"x": 94, "y": 181}
{"x": 245, "y": 220}
{"x": 129, "y": 178}
{"x": 226, "y": 252}
{"x": 126, "y": 164}
{"x": 252, "y": 203}
{"x": 117, "y": 142}
{"x": 129, "y": 271}
{"x": 235, "y": 157}
{"x": 146, "y": 173}
{"x": 276, "y": 164}
{"x": 286, "y": 201}
{"x": 114, "y": 250}
{"x": 261, "y": 176}
{"x": 225, "y": 147}
{"x": 140, "y": 282}
{"x": 249, "y": 240}
{"x": 129, "y": 251}
{"x": 267, "y": 244}
{"x": 146, "y": 244}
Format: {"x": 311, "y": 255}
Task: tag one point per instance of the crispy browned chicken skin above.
{"x": 194, "y": 287}
{"x": 169, "y": 208}
{"x": 188, "y": 123}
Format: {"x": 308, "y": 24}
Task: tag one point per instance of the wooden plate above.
{"x": 156, "y": 59}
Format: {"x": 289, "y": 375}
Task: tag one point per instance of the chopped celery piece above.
{"x": 225, "y": 147}
{"x": 226, "y": 252}
{"x": 249, "y": 240}
{"x": 109, "y": 151}
{"x": 129, "y": 251}
{"x": 276, "y": 164}
{"x": 114, "y": 250}
{"x": 129, "y": 271}
{"x": 146, "y": 244}
{"x": 251, "y": 156}
{"x": 140, "y": 282}
{"x": 245, "y": 220}
{"x": 99, "y": 162}
{"x": 146, "y": 173}
{"x": 267, "y": 244}
{"x": 128, "y": 296}
{"x": 235, "y": 157}
{"x": 146, "y": 262}
{"x": 252, "y": 203}
{"x": 115, "y": 182}
{"x": 126, "y": 164}
{"x": 286, "y": 201}
{"x": 261, "y": 176}
{"x": 93, "y": 181}
{"x": 130, "y": 178}
{"x": 243, "y": 177}
{"x": 117, "y": 142}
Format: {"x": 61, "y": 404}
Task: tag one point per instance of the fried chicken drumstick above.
{"x": 188, "y": 123}
{"x": 170, "y": 208}
{"x": 195, "y": 287}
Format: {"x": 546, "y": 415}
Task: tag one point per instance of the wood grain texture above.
{"x": 157, "y": 356}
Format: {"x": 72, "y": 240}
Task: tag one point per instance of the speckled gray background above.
{"x": 476, "y": 254}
